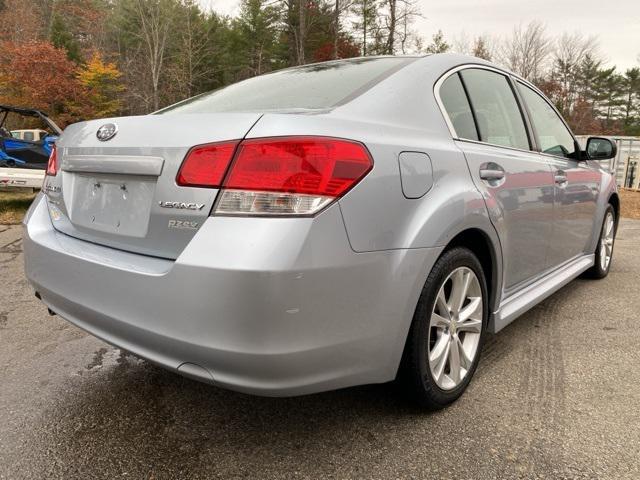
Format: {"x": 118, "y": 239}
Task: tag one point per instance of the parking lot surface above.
{"x": 557, "y": 395}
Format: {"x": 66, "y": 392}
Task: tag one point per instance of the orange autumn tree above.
{"x": 37, "y": 75}
{"x": 101, "y": 82}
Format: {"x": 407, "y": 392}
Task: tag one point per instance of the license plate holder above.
{"x": 112, "y": 204}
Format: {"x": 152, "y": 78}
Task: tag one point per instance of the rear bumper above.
{"x": 272, "y": 307}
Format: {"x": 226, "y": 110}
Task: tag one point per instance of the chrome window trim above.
{"x": 510, "y": 77}
{"x": 478, "y": 142}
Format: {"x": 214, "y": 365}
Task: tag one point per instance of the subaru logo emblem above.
{"x": 107, "y": 132}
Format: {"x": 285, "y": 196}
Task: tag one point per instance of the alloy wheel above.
{"x": 606, "y": 241}
{"x": 455, "y": 327}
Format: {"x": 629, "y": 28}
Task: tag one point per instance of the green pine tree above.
{"x": 62, "y": 38}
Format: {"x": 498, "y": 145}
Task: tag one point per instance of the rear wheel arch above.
{"x": 482, "y": 247}
{"x": 415, "y": 373}
{"x": 614, "y": 200}
{"x": 487, "y": 251}
{"x": 604, "y": 248}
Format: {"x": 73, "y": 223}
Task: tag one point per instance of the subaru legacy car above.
{"x": 351, "y": 222}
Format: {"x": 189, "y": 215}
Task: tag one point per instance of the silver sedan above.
{"x": 336, "y": 224}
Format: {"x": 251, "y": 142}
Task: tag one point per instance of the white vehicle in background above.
{"x": 21, "y": 177}
{"x": 30, "y": 135}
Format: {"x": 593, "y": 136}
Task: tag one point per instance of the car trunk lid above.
{"x": 122, "y": 192}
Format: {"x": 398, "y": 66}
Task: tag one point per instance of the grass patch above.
{"x": 13, "y": 205}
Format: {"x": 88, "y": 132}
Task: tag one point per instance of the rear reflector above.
{"x": 52, "y": 164}
{"x": 277, "y": 176}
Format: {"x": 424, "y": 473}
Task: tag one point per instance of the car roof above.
{"x": 448, "y": 61}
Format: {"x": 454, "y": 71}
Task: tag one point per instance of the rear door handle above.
{"x": 491, "y": 173}
{"x": 560, "y": 177}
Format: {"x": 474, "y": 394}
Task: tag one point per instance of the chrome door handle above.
{"x": 560, "y": 178}
{"x": 491, "y": 174}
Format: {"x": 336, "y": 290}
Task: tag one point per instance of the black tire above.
{"x": 598, "y": 271}
{"x": 415, "y": 375}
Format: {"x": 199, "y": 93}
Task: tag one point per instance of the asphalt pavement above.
{"x": 557, "y": 395}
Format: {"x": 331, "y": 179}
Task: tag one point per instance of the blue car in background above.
{"x": 21, "y": 152}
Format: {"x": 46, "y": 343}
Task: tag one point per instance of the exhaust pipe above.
{"x": 39, "y": 297}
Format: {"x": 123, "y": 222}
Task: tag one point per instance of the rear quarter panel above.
{"x": 376, "y": 213}
{"x": 400, "y": 114}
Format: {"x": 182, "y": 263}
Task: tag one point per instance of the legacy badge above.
{"x": 181, "y": 205}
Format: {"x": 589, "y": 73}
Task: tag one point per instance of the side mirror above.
{"x": 599, "y": 148}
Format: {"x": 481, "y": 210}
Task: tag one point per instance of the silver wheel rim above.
{"x": 606, "y": 241}
{"x": 454, "y": 328}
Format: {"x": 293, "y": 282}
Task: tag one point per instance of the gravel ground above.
{"x": 556, "y": 396}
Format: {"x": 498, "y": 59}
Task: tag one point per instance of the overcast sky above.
{"x": 615, "y": 22}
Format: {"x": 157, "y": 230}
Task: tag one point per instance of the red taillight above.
{"x": 313, "y": 166}
{"x": 206, "y": 165}
{"x": 52, "y": 164}
{"x": 277, "y": 176}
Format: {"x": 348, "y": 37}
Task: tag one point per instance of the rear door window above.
{"x": 497, "y": 113}
{"x": 456, "y": 104}
{"x": 553, "y": 135}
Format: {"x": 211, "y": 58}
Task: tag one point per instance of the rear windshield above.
{"x": 310, "y": 87}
